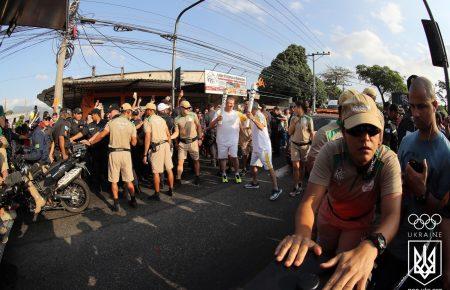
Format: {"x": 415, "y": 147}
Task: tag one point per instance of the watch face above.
{"x": 381, "y": 242}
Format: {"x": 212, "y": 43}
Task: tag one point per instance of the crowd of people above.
{"x": 368, "y": 170}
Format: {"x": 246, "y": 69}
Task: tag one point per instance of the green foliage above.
{"x": 383, "y": 78}
{"x": 290, "y": 75}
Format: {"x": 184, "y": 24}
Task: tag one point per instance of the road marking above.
{"x": 166, "y": 280}
{"x": 191, "y": 199}
{"x": 144, "y": 221}
{"x": 231, "y": 223}
{"x": 220, "y": 203}
{"x": 172, "y": 202}
{"x": 258, "y": 215}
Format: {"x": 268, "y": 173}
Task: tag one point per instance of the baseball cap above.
{"x": 256, "y": 106}
{"x": 185, "y": 104}
{"x": 77, "y": 111}
{"x": 347, "y": 94}
{"x": 371, "y": 92}
{"x": 126, "y": 107}
{"x": 150, "y": 106}
{"x": 360, "y": 109}
{"x": 96, "y": 111}
{"x": 162, "y": 107}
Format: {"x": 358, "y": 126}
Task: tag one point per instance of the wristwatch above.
{"x": 378, "y": 240}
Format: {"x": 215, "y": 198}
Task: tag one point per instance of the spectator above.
{"x": 424, "y": 186}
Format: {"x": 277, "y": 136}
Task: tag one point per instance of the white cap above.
{"x": 162, "y": 107}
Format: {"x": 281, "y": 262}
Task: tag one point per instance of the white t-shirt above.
{"x": 228, "y": 131}
{"x": 261, "y": 139}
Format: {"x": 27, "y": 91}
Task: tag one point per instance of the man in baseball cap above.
{"x": 163, "y": 111}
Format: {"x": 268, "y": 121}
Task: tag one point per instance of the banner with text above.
{"x": 217, "y": 82}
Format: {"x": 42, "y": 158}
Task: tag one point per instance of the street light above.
{"x": 174, "y": 43}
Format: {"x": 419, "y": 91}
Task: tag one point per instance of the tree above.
{"x": 441, "y": 91}
{"x": 334, "y": 77}
{"x": 290, "y": 75}
{"x": 383, "y": 78}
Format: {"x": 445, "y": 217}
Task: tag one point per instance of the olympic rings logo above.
{"x": 424, "y": 221}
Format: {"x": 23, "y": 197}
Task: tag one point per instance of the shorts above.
{"x": 119, "y": 164}
{"x": 246, "y": 147}
{"x": 191, "y": 148}
{"x": 299, "y": 153}
{"x": 223, "y": 151}
{"x": 161, "y": 159}
{"x": 3, "y": 160}
{"x": 260, "y": 159}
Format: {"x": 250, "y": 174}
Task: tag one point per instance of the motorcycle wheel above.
{"x": 81, "y": 193}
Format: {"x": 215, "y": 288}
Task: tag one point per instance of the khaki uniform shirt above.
{"x": 303, "y": 129}
{"x": 120, "y": 132}
{"x": 327, "y": 133}
{"x": 157, "y": 127}
{"x": 187, "y": 125}
{"x": 352, "y": 193}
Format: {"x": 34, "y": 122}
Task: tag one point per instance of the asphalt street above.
{"x": 212, "y": 236}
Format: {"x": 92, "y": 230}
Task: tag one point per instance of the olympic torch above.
{"x": 251, "y": 99}
{"x": 224, "y": 102}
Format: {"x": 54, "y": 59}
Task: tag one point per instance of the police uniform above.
{"x": 160, "y": 156}
{"x": 303, "y": 128}
{"x": 76, "y": 126}
{"x": 61, "y": 128}
{"x": 188, "y": 136}
{"x": 121, "y": 130}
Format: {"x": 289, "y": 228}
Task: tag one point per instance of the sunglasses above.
{"x": 187, "y": 108}
{"x": 47, "y": 119}
{"x": 361, "y": 130}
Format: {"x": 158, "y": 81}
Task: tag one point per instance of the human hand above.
{"x": 249, "y": 115}
{"x": 354, "y": 267}
{"x": 134, "y": 96}
{"x": 200, "y": 142}
{"x": 145, "y": 161}
{"x": 298, "y": 247}
{"x": 417, "y": 182}
{"x": 65, "y": 156}
{"x": 85, "y": 142}
{"x": 219, "y": 118}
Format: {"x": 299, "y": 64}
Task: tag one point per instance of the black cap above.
{"x": 77, "y": 111}
{"x": 45, "y": 114}
{"x": 96, "y": 112}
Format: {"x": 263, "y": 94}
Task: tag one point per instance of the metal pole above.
{"x": 314, "y": 84}
{"x": 447, "y": 82}
{"x": 174, "y": 43}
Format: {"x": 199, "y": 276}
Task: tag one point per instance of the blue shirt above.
{"x": 437, "y": 153}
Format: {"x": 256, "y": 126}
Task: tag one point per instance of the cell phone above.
{"x": 416, "y": 165}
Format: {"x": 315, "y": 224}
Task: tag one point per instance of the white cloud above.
{"x": 366, "y": 44}
{"x": 296, "y": 5}
{"x": 236, "y": 7}
{"x": 41, "y": 77}
{"x": 391, "y": 15}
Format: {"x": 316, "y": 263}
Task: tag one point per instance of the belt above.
{"x": 119, "y": 150}
{"x": 159, "y": 143}
{"x": 347, "y": 219}
{"x": 188, "y": 140}
{"x": 302, "y": 143}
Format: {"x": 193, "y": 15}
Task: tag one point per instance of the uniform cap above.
{"x": 185, "y": 104}
{"x": 113, "y": 107}
{"x": 150, "y": 106}
{"x": 360, "y": 109}
{"x": 371, "y": 92}
{"x": 126, "y": 107}
{"x": 77, "y": 111}
{"x": 162, "y": 107}
{"x": 96, "y": 112}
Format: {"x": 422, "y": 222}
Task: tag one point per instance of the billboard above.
{"x": 217, "y": 82}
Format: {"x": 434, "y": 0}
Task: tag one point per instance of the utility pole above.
{"x": 174, "y": 44}
{"x": 58, "y": 97}
{"x": 313, "y": 55}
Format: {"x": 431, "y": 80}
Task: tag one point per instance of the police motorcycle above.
{"x": 61, "y": 184}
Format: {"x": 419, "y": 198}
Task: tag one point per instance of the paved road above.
{"x": 210, "y": 237}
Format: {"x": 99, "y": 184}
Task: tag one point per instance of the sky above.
{"x": 354, "y": 31}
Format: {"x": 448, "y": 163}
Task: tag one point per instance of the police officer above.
{"x": 60, "y": 136}
{"x": 390, "y": 137}
{"x": 301, "y": 131}
{"x": 121, "y": 133}
{"x": 157, "y": 146}
{"x": 188, "y": 128}
{"x": 76, "y": 123}
{"x": 40, "y": 142}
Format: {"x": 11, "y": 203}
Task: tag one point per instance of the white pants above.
{"x": 225, "y": 150}
{"x": 260, "y": 159}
